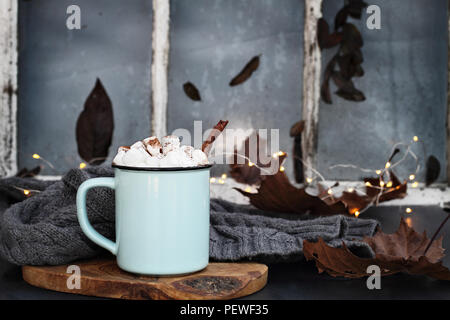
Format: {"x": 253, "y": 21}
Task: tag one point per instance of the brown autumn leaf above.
{"x": 242, "y": 171}
{"x": 191, "y": 91}
{"x": 394, "y": 253}
{"x": 25, "y": 173}
{"x": 246, "y": 72}
{"x": 215, "y": 132}
{"x": 95, "y": 126}
{"x": 398, "y": 190}
{"x": 296, "y": 132}
{"x": 325, "y": 39}
{"x": 433, "y": 169}
{"x": 277, "y": 194}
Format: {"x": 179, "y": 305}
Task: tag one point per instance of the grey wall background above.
{"x": 58, "y": 68}
{"x": 211, "y": 40}
{"x": 405, "y": 84}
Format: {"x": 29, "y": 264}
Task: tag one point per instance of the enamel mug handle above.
{"x": 87, "y": 228}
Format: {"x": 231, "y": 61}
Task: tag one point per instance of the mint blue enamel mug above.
{"x": 162, "y": 218}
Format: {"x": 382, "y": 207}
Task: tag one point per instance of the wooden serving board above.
{"x": 103, "y": 278}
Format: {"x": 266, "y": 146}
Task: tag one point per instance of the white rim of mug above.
{"x": 201, "y": 167}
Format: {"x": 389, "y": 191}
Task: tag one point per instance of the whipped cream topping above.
{"x": 150, "y": 152}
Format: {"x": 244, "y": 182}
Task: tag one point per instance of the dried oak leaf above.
{"x": 95, "y": 126}
{"x": 191, "y": 91}
{"x": 433, "y": 169}
{"x": 246, "y": 72}
{"x": 394, "y": 253}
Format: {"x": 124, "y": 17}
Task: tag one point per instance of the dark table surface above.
{"x": 301, "y": 280}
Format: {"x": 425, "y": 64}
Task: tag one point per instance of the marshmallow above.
{"x": 170, "y": 143}
{"x": 118, "y": 159}
{"x": 152, "y": 162}
{"x": 187, "y": 150}
{"x": 147, "y": 153}
{"x": 199, "y": 157}
{"x": 153, "y": 146}
{"x": 137, "y": 145}
{"x": 135, "y": 157}
{"x": 171, "y": 159}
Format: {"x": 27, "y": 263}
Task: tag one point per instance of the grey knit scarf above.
{"x": 43, "y": 229}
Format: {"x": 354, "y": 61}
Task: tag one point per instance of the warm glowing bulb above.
{"x": 368, "y": 184}
{"x": 250, "y": 164}
{"x": 221, "y": 181}
{"x": 212, "y": 180}
{"x": 350, "y": 189}
{"x": 248, "y": 189}
{"x": 82, "y": 165}
{"x": 36, "y": 156}
{"x": 280, "y": 153}
{"x": 26, "y": 192}
{"x": 275, "y": 155}
{"x": 415, "y": 184}
{"x": 224, "y": 176}
{"x": 408, "y": 210}
{"x": 309, "y": 180}
{"x": 378, "y": 172}
{"x": 357, "y": 213}
{"x": 412, "y": 177}
{"x": 388, "y": 164}
{"x": 281, "y": 168}
{"x": 416, "y": 138}
{"x": 381, "y": 183}
{"x": 389, "y": 184}
{"x": 330, "y": 191}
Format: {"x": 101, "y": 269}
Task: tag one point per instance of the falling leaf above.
{"x": 95, "y": 126}
{"x": 433, "y": 169}
{"x": 394, "y": 253}
{"x": 246, "y": 73}
{"x": 191, "y": 91}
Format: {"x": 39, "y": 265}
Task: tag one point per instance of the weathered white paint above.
{"x": 8, "y": 87}
{"x": 448, "y": 98}
{"x": 160, "y": 63}
{"x": 311, "y": 84}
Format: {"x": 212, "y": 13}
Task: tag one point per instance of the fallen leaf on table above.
{"x": 398, "y": 190}
{"x": 246, "y": 73}
{"x": 191, "y": 91}
{"x": 401, "y": 251}
{"x": 95, "y": 126}
{"x": 276, "y": 193}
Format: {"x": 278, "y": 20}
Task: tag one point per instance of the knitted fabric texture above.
{"x": 43, "y": 229}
